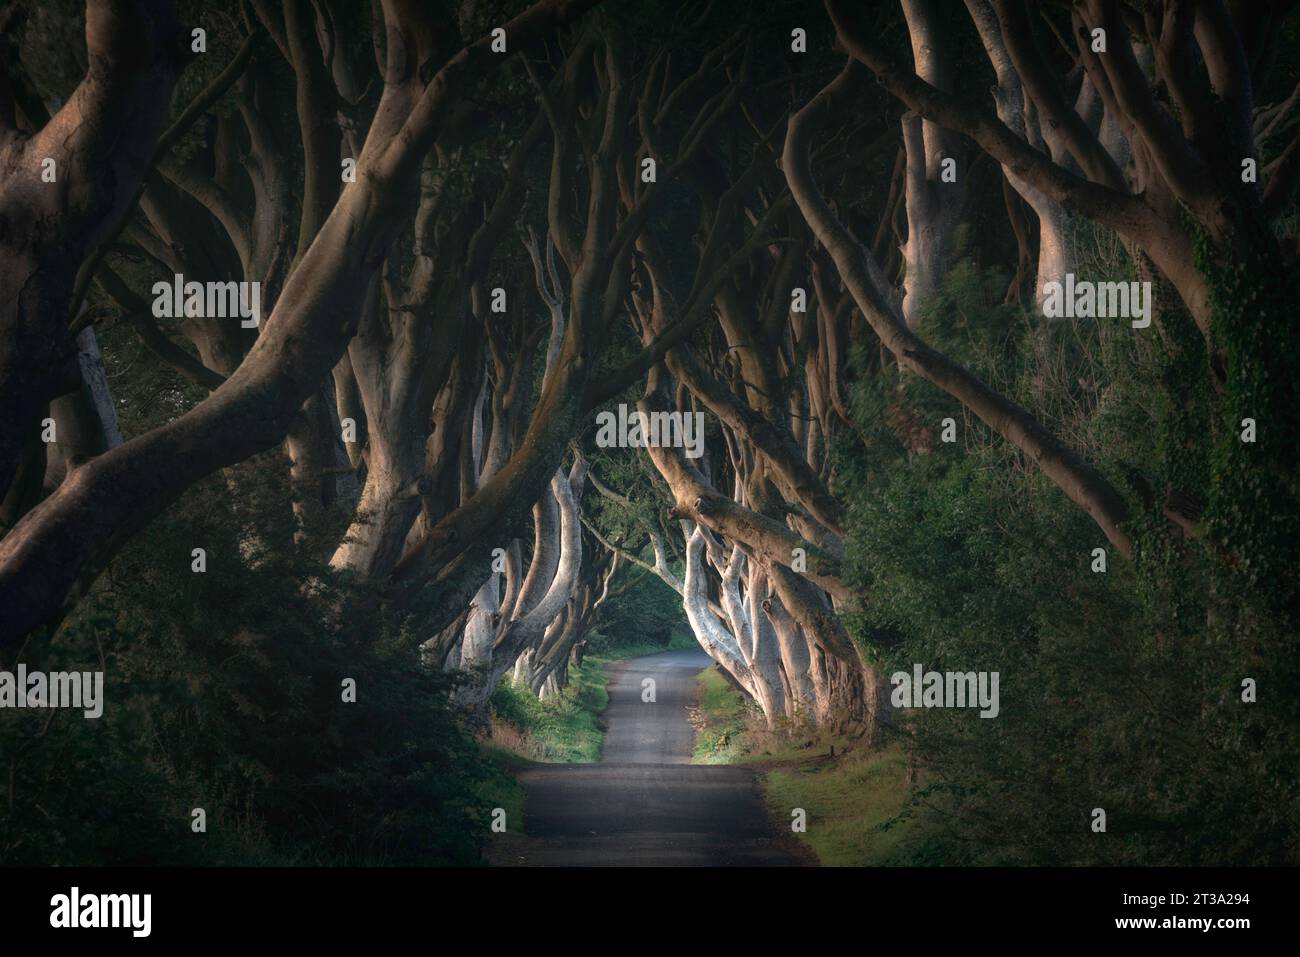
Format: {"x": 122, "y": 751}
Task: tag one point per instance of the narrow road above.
{"x": 645, "y": 803}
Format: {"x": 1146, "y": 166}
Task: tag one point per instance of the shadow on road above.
{"x": 645, "y": 803}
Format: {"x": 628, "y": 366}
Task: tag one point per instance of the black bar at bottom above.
{"x": 334, "y": 906}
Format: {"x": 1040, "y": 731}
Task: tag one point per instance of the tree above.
{"x": 68, "y": 537}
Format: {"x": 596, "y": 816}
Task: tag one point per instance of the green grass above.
{"x": 853, "y": 802}
{"x": 720, "y": 721}
{"x": 854, "y": 798}
{"x": 562, "y": 729}
{"x": 501, "y": 789}
{"x": 559, "y": 730}
{"x": 679, "y": 641}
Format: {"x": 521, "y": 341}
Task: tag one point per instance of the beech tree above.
{"x": 56, "y": 544}
{"x": 1186, "y": 206}
{"x": 68, "y": 179}
{"x": 465, "y": 256}
{"x": 577, "y": 319}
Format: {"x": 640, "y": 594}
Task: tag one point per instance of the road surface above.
{"x": 645, "y": 803}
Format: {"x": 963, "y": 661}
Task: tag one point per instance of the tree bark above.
{"x": 101, "y": 144}
{"x": 70, "y": 535}
{"x": 1079, "y": 480}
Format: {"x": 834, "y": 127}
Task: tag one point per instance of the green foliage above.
{"x": 645, "y": 620}
{"x": 563, "y": 728}
{"x": 1119, "y": 690}
{"x": 224, "y": 692}
{"x": 854, "y": 802}
{"x": 680, "y": 640}
{"x": 1252, "y": 510}
{"x": 50, "y": 46}
{"x": 647, "y": 617}
{"x": 856, "y": 798}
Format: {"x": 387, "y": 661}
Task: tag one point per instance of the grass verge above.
{"x": 854, "y": 802}
{"x": 501, "y": 789}
{"x": 854, "y": 799}
{"x": 563, "y": 729}
{"x": 721, "y": 719}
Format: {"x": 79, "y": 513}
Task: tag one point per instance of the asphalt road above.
{"x": 651, "y": 732}
{"x": 645, "y": 804}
